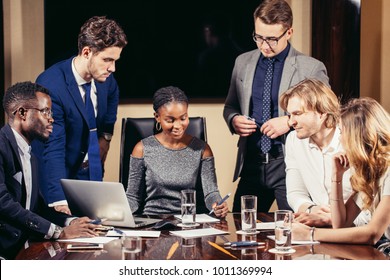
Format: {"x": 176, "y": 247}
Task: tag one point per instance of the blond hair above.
{"x": 366, "y": 126}
{"x": 315, "y": 96}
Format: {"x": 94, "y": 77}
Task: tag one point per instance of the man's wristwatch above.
{"x": 107, "y": 136}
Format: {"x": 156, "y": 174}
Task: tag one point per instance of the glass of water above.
{"x": 188, "y": 208}
{"x": 283, "y": 222}
{"x": 248, "y": 213}
{"x": 131, "y": 247}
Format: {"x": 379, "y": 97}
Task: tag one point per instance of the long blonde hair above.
{"x": 366, "y": 128}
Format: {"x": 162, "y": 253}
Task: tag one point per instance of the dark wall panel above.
{"x": 1, "y": 63}
{"x": 336, "y": 42}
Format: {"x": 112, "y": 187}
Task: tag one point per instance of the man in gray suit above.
{"x": 251, "y": 107}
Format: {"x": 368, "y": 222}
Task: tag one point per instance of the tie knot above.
{"x": 270, "y": 61}
{"x": 87, "y": 87}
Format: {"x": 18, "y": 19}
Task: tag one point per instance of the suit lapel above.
{"x": 248, "y": 81}
{"x": 74, "y": 91}
{"x": 17, "y": 161}
{"x": 289, "y": 69}
{"x": 11, "y": 138}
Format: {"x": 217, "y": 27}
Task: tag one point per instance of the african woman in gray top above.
{"x": 170, "y": 161}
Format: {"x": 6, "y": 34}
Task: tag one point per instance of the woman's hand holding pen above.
{"x": 221, "y": 210}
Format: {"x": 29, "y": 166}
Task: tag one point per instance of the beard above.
{"x": 38, "y": 131}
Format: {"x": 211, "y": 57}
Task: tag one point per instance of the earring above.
{"x": 158, "y": 126}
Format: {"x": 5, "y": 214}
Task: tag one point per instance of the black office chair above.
{"x": 135, "y": 129}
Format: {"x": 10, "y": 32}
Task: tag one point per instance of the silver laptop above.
{"x": 102, "y": 200}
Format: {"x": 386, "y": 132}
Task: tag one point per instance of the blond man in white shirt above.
{"x": 313, "y": 111}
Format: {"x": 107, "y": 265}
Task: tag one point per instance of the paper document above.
{"x": 268, "y": 225}
{"x": 192, "y": 233}
{"x": 297, "y": 242}
{"x": 202, "y": 218}
{"x": 142, "y": 233}
{"x": 97, "y": 240}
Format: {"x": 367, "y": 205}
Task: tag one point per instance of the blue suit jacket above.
{"x": 62, "y": 155}
{"x": 16, "y": 223}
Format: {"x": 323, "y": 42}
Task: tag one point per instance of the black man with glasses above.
{"x": 251, "y": 108}
{"x": 23, "y": 213}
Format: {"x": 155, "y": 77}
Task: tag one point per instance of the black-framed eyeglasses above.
{"x": 271, "y": 41}
{"x": 46, "y": 112}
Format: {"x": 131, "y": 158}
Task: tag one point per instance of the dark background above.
{"x": 165, "y": 39}
{"x": 1, "y": 63}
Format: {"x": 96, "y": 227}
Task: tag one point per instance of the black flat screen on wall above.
{"x": 166, "y": 41}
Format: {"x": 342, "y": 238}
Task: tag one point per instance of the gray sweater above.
{"x": 155, "y": 181}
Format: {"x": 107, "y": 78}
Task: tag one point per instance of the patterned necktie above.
{"x": 95, "y": 164}
{"x": 265, "y": 140}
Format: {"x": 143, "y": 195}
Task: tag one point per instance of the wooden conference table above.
{"x": 172, "y": 247}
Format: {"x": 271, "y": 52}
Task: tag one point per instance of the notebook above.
{"x": 102, "y": 200}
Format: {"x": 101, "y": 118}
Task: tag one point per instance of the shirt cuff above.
{"x": 57, "y": 203}
{"x": 54, "y": 232}
{"x": 69, "y": 220}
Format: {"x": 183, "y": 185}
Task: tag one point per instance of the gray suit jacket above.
{"x": 297, "y": 67}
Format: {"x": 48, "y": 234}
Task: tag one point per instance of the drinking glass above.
{"x": 131, "y": 247}
{"x": 188, "y": 208}
{"x": 283, "y": 222}
{"x": 188, "y": 248}
{"x": 248, "y": 213}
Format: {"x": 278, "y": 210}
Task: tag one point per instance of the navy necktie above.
{"x": 94, "y": 162}
{"x": 265, "y": 140}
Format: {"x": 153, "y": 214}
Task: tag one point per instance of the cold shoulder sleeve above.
{"x": 136, "y": 184}
{"x": 209, "y": 182}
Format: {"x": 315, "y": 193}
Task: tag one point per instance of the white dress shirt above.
{"x": 309, "y": 170}
{"x": 25, "y": 157}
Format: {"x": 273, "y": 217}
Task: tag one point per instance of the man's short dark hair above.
{"x": 21, "y": 94}
{"x": 274, "y": 12}
{"x": 100, "y": 33}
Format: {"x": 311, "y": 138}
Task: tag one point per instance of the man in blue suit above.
{"x": 268, "y": 71}
{"x": 81, "y": 86}
{"x": 23, "y": 214}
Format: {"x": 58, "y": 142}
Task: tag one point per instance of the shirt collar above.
{"x": 281, "y": 56}
{"x": 333, "y": 145}
{"x": 24, "y": 147}
{"x": 79, "y": 80}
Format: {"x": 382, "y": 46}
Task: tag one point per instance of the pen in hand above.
{"x": 98, "y": 221}
{"x": 222, "y": 201}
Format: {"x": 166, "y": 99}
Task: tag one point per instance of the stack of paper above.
{"x": 201, "y": 218}
{"x": 193, "y": 233}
